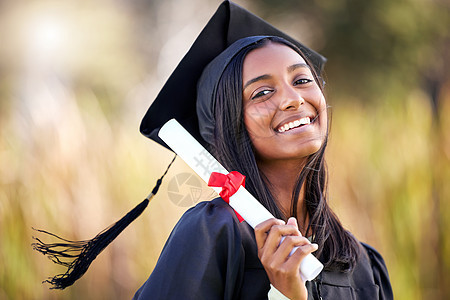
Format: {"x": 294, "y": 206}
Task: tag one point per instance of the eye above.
{"x": 302, "y": 81}
{"x": 261, "y": 94}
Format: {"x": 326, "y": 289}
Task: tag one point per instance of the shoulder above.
{"x": 214, "y": 208}
{"x": 202, "y": 259}
{"x": 215, "y": 212}
{"x": 369, "y": 279}
{"x": 375, "y": 258}
{"x": 379, "y": 271}
{"x": 208, "y": 220}
{"x": 372, "y": 252}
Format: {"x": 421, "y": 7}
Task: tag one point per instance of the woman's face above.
{"x": 284, "y": 108}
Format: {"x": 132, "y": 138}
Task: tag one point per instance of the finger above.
{"x": 288, "y": 245}
{"x": 292, "y": 221}
{"x": 277, "y": 232}
{"x": 284, "y": 265}
{"x": 262, "y": 229}
{"x": 301, "y": 252}
{"x": 273, "y": 240}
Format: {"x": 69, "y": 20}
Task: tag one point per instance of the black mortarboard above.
{"x": 177, "y": 98}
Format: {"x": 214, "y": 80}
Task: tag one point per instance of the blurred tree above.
{"x": 381, "y": 46}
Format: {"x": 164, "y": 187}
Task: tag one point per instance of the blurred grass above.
{"x": 76, "y": 79}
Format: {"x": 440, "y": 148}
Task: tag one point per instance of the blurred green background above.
{"x": 76, "y": 77}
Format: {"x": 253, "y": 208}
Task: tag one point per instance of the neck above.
{"x": 282, "y": 177}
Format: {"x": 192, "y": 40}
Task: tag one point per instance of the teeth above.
{"x": 304, "y": 121}
{"x": 293, "y": 124}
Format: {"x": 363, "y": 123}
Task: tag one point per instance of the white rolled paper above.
{"x": 203, "y": 163}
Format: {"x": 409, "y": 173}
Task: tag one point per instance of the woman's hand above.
{"x": 283, "y": 270}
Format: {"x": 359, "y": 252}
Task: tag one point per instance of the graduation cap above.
{"x": 177, "y": 99}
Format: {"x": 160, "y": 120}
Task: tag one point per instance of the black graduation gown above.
{"x": 210, "y": 255}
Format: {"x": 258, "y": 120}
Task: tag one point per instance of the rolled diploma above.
{"x": 253, "y": 212}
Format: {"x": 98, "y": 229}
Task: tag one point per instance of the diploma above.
{"x": 203, "y": 163}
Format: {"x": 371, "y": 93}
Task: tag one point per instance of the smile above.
{"x": 294, "y": 124}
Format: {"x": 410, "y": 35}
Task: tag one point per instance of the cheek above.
{"x": 257, "y": 116}
{"x": 259, "y": 111}
{"x": 322, "y": 105}
{"x": 317, "y": 99}
{"x": 323, "y": 113}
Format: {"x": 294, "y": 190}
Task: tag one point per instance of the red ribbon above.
{"x": 229, "y": 183}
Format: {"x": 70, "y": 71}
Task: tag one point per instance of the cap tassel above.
{"x": 77, "y": 256}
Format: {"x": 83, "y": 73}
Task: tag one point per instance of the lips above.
{"x": 293, "y": 124}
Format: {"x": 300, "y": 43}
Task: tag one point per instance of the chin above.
{"x": 307, "y": 149}
{"x": 298, "y": 153}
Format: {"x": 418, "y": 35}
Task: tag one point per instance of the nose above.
{"x": 291, "y": 99}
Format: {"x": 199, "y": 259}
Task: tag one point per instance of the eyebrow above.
{"x": 262, "y": 77}
{"x": 297, "y": 66}
{"x": 265, "y": 76}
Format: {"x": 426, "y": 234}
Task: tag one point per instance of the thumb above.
{"x": 292, "y": 221}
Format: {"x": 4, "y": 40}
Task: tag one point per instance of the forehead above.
{"x": 270, "y": 56}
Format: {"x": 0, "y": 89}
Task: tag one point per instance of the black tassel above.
{"x": 82, "y": 253}
{"x": 77, "y": 256}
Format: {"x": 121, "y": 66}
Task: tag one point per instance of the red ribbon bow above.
{"x": 229, "y": 183}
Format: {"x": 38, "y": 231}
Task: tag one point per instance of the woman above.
{"x": 262, "y": 112}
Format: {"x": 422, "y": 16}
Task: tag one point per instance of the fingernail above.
{"x": 292, "y": 221}
{"x": 315, "y": 246}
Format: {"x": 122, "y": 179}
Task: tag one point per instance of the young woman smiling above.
{"x": 262, "y": 112}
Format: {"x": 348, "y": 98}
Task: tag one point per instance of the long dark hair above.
{"x": 338, "y": 249}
